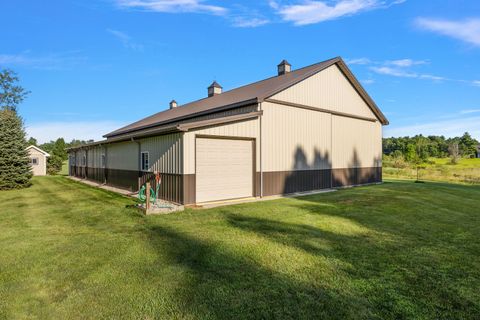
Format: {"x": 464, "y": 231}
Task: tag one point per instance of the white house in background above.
{"x": 38, "y": 160}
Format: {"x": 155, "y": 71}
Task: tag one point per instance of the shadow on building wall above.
{"x": 320, "y": 174}
{"x": 306, "y": 175}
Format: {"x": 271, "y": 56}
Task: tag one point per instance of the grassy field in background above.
{"x": 399, "y": 250}
{"x": 465, "y": 171}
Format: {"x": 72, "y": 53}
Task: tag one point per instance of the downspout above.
{"x": 260, "y": 152}
{"x": 139, "y": 164}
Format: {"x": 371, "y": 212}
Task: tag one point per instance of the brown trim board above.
{"x": 336, "y": 113}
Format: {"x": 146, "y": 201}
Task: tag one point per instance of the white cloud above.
{"x": 360, "y": 61}
{"x": 402, "y": 73}
{"x": 469, "y": 111}
{"x": 173, "y": 6}
{"x": 126, "y": 40}
{"x": 244, "y": 22}
{"x": 467, "y": 30}
{"x": 310, "y": 11}
{"x": 83, "y": 130}
{"x": 367, "y": 81}
{"x": 394, "y": 72}
{"x": 56, "y": 61}
{"x": 404, "y": 63}
{"x": 476, "y": 83}
{"x": 432, "y": 77}
{"x": 448, "y": 128}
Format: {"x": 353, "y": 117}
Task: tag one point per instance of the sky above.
{"x": 94, "y": 66}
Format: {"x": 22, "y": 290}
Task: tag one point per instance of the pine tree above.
{"x": 15, "y": 171}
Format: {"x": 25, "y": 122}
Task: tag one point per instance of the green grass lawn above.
{"x": 394, "y": 251}
{"x": 465, "y": 171}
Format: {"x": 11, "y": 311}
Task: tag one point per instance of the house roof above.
{"x": 38, "y": 149}
{"x": 246, "y": 95}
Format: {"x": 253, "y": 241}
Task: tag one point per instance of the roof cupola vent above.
{"x": 284, "y": 67}
{"x": 173, "y": 104}
{"x": 214, "y": 89}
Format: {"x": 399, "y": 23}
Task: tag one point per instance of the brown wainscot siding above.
{"x": 171, "y": 185}
{"x": 96, "y": 174}
{"x": 189, "y": 189}
{"x": 356, "y": 176}
{"x": 285, "y": 182}
{"x": 125, "y": 179}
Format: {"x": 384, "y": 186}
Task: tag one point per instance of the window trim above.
{"x": 34, "y": 161}
{"x": 142, "y": 168}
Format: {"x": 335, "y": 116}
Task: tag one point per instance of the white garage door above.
{"x": 224, "y": 169}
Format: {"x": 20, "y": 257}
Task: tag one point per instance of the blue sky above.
{"x": 92, "y": 66}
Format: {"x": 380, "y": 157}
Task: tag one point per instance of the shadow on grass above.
{"x": 223, "y": 284}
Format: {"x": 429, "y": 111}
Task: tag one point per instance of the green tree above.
{"x": 410, "y": 153}
{"x": 468, "y": 145}
{"x": 11, "y": 94}
{"x": 32, "y": 142}
{"x": 54, "y": 164}
{"x": 15, "y": 170}
{"x": 59, "y": 149}
{"x": 58, "y": 154}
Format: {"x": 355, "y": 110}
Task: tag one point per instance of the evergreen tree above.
{"x": 11, "y": 94}
{"x": 15, "y": 170}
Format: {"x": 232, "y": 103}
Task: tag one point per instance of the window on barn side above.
{"x": 144, "y": 161}
{"x": 34, "y": 161}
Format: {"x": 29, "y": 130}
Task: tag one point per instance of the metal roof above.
{"x": 249, "y": 94}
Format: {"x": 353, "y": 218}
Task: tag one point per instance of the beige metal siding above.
{"x": 79, "y": 156}
{"x": 165, "y": 153}
{"x": 248, "y": 128}
{"x": 94, "y": 155}
{"x": 329, "y": 90}
{"x": 123, "y": 156}
{"x": 295, "y": 139}
{"x": 40, "y": 169}
{"x": 356, "y": 143}
{"x": 224, "y": 169}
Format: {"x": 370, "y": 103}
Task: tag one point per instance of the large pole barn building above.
{"x": 306, "y": 129}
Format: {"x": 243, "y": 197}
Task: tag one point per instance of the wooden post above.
{"x": 147, "y": 192}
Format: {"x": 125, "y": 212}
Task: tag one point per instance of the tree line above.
{"x": 422, "y": 147}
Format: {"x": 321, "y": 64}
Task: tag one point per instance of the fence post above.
{"x": 147, "y": 192}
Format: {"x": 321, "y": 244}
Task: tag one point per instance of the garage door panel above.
{"x": 224, "y": 169}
